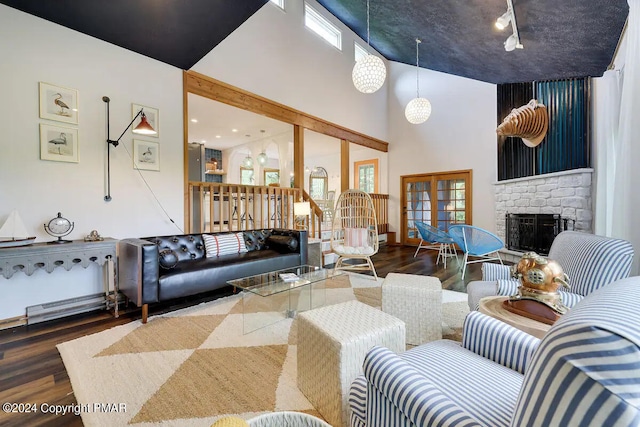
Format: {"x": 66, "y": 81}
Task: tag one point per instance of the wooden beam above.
{"x": 208, "y": 87}
{"x": 344, "y": 165}
{"x": 298, "y": 157}
{"x": 185, "y": 154}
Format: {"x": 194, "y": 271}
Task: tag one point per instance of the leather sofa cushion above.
{"x": 207, "y": 274}
{"x": 186, "y": 246}
{"x": 282, "y": 244}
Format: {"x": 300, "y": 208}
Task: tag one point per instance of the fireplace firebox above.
{"x": 534, "y": 232}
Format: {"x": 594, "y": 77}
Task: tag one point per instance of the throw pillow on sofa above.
{"x": 282, "y": 244}
{"x": 167, "y": 259}
{"x": 224, "y": 244}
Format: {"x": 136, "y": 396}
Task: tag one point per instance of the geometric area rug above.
{"x": 194, "y": 366}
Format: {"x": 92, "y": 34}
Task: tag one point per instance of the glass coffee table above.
{"x": 270, "y": 297}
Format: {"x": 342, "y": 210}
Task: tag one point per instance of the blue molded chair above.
{"x": 476, "y": 242}
{"x": 434, "y": 238}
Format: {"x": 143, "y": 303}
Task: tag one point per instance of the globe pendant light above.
{"x": 369, "y": 72}
{"x": 248, "y": 162}
{"x": 418, "y": 109}
{"x": 262, "y": 158}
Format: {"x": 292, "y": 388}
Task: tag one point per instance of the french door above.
{"x": 438, "y": 199}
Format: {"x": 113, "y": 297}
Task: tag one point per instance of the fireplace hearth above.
{"x": 534, "y": 232}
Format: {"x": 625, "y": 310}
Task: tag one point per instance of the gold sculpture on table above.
{"x": 538, "y": 296}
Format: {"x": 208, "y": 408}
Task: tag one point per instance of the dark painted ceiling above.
{"x": 562, "y": 39}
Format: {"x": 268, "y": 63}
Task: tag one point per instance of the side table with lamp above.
{"x": 301, "y": 211}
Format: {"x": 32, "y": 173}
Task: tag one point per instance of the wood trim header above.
{"x": 211, "y": 88}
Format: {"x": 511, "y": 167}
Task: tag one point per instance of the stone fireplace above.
{"x": 566, "y": 193}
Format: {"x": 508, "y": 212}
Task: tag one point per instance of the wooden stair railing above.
{"x": 215, "y": 207}
{"x": 381, "y": 206}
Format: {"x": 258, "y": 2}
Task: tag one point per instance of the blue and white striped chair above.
{"x": 585, "y": 372}
{"x": 590, "y": 261}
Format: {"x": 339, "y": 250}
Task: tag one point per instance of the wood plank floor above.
{"x": 31, "y": 370}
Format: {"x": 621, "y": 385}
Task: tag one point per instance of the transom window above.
{"x": 320, "y": 25}
{"x": 279, "y": 3}
{"x": 359, "y": 51}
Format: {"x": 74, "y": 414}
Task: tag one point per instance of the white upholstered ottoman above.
{"x": 417, "y": 300}
{"x": 332, "y": 344}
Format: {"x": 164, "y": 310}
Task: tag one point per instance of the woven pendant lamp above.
{"x": 418, "y": 109}
{"x": 369, "y": 73}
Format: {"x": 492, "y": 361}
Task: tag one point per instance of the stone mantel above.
{"x": 546, "y": 175}
{"x": 567, "y": 193}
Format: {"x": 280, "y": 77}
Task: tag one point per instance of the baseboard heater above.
{"x": 57, "y": 309}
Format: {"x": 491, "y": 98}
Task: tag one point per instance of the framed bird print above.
{"x": 58, "y": 103}
{"x": 146, "y": 155}
{"x": 58, "y": 143}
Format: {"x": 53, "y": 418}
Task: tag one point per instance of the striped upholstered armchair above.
{"x": 590, "y": 261}
{"x": 584, "y": 372}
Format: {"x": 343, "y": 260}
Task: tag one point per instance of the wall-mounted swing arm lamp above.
{"x": 143, "y": 128}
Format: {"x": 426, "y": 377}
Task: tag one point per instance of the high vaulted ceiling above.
{"x": 561, "y": 39}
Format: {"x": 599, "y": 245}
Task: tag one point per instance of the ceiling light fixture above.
{"x": 418, "y": 109}
{"x": 369, "y": 72}
{"x": 503, "y": 21}
{"x": 248, "y": 162}
{"x": 262, "y": 158}
{"x": 194, "y": 120}
{"x": 513, "y": 41}
{"x": 234, "y": 130}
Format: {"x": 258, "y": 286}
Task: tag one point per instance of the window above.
{"x": 279, "y": 3}
{"x": 271, "y": 176}
{"x": 322, "y": 27}
{"x": 359, "y": 51}
{"x": 366, "y": 175}
{"x": 318, "y": 183}
{"x": 246, "y": 176}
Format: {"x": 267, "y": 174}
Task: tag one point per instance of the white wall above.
{"x": 273, "y": 55}
{"x": 35, "y": 50}
{"x": 460, "y": 134}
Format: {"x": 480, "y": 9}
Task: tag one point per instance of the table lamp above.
{"x": 301, "y": 210}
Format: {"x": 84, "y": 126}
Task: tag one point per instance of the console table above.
{"x": 48, "y": 256}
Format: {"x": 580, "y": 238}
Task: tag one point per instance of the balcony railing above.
{"x": 215, "y": 207}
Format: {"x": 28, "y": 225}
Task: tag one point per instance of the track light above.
{"x": 510, "y": 43}
{"x": 503, "y": 21}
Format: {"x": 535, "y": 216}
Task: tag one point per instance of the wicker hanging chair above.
{"x": 354, "y": 231}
